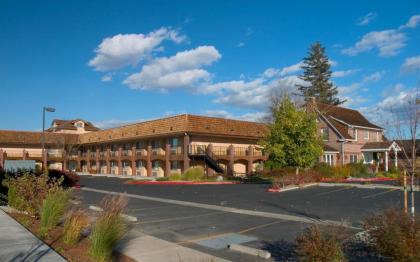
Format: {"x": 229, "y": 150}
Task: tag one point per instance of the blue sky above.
{"x": 113, "y": 62}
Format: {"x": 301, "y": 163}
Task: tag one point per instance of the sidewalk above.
{"x": 18, "y": 244}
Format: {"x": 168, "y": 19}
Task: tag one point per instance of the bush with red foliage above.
{"x": 287, "y": 176}
{"x": 71, "y": 179}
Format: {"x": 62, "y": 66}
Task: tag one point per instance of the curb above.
{"x": 250, "y": 251}
{"x": 179, "y": 183}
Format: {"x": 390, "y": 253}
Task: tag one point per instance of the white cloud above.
{"x": 240, "y": 44}
{"x": 411, "y": 64}
{"x": 412, "y": 22}
{"x": 372, "y": 77}
{"x": 344, "y": 73}
{"x": 255, "y": 116}
{"x": 106, "y": 78}
{"x": 387, "y": 42}
{"x": 365, "y": 20}
{"x": 183, "y": 70}
{"x": 129, "y": 49}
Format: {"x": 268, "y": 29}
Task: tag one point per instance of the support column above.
{"x": 186, "y": 157}
{"x": 250, "y": 160}
{"x": 64, "y": 157}
{"x": 386, "y": 161}
{"x": 24, "y": 154}
{"x": 88, "y": 160}
{"x": 133, "y": 161}
{"x": 167, "y": 158}
{"x": 98, "y": 167}
{"x": 44, "y": 160}
{"x": 231, "y": 155}
{"x": 149, "y": 159}
{"x": 120, "y": 172}
{"x": 1, "y": 158}
{"x": 108, "y": 164}
{"x": 209, "y": 170}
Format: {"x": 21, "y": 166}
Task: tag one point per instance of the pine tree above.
{"x": 317, "y": 74}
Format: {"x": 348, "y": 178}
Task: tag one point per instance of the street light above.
{"x": 44, "y": 109}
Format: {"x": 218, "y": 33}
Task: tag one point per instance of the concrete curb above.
{"x": 250, "y": 250}
{"x": 370, "y": 186}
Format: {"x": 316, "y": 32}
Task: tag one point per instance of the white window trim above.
{"x": 355, "y": 135}
{"x": 366, "y": 136}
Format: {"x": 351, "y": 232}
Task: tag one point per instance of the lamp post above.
{"x": 44, "y": 109}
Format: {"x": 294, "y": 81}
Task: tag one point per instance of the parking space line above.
{"x": 287, "y": 217}
{"x": 333, "y": 191}
{"x": 148, "y": 208}
{"x": 179, "y": 218}
{"x": 380, "y": 193}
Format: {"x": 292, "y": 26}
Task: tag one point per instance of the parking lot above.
{"x": 204, "y": 217}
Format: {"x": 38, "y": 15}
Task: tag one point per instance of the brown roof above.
{"x": 340, "y": 127}
{"x": 179, "y": 124}
{"x": 407, "y": 144}
{"x": 328, "y": 148}
{"x": 349, "y": 116}
{"x": 11, "y": 137}
{"x": 377, "y": 145}
{"x": 69, "y": 125}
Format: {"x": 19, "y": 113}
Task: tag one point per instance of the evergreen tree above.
{"x": 292, "y": 140}
{"x": 316, "y": 74}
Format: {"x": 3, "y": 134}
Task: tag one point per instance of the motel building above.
{"x": 157, "y": 148}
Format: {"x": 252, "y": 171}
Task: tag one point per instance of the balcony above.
{"x": 126, "y": 153}
{"x": 220, "y": 150}
{"x": 102, "y": 153}
{"x": 113, "y": 153}
{"x": 257, "y": 152}
{"x": 176, "y": 150}
{"x": 158, "y": 152}
{"x": 92, "y": 154}
{"x": 141, "y": 152}
{"x": 84, "y": 154}
{"x": 240, "y": 151}
{"x": 15, "y": 154}
{"x": 55, "y": 153}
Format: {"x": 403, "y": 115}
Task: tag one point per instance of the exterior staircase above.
{"x": 201, "y": 153}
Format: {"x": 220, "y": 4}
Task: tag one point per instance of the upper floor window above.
{"x": 355, "y": 134}
{"x": 324, "y": 134}
{"x": 174, "y": 142}
{"x": 140, "y": 145}
{"x": 79, "y": 124}
{"x": 366, "y": 135}
{"x": 377, "y": 136}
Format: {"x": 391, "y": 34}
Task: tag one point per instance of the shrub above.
{"x": 324, "y": 169}
{"x": 359, "y": 170}
{"x": 108, "y": 229}
{"x": 75, "y": 222}
{"x": 164, "y": 178}
{"x": 287, "y": 176}
{"x": 70, "y": 179}
{"x": 27, "y": 192}
{"x": 394, "y": 235}
{"x": 193, "y": 174}
{"x": 175, "y": 176}
{"x": 317, "y": 246}
{"x": 52, "y": 210}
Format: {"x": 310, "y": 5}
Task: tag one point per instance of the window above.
{"x": 377, "y": 136}
{"x": 353, "y": 158}
{"x": 355, "y": 134}
{"x": 140, "y": 145}
{"x": 174, "y": 142}
{"x": 329, "y": 159}
{"x": 324, "y": 134}
{"x": 79, "y": 124}
{"x": 366, "y": 135}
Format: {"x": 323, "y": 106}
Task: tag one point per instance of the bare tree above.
{"x": 404, "y": 127}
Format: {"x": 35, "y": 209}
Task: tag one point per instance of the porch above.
{"x": 382, "y": 155}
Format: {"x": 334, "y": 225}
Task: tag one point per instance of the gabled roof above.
{"x": 328, "y": 148}
{"x": 347, "y": 116}
{"x": 12, "y": 137}
{"x": 62, "y": 124}
{"x": 380, "y": 146}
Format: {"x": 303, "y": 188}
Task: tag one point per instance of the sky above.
{"x": 118, "y": 62}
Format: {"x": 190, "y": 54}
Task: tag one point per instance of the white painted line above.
{"x": 250, "y": 250}
{"x": 129, "y": 218}
{"x": 75, "y": 202}
{"x": 228, "y": 209}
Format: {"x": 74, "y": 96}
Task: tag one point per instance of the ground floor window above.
{"x": 175, "y": 165}
{"x": 353, "y": 158}
{"x": 329, "y": 159}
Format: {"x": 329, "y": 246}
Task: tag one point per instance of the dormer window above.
{"x": 79, "y": 124}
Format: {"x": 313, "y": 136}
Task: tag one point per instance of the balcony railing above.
{"x": 241, "y": 151}
{"x": 126, "y": 153}
{"x": 158, "y": 152}
{"x": 257, "y": 152}
{"x": 92, "y": 154}
{"x": 176, "y": 150}
{"x": 113, "y": 153}
{"x": 84, "y": 154}
{"x": 102, "y": 153}
{"x": 141, "y": 152}
{"x": 33, "y": 154}
{"x": 220, "y": 150}
{"x": 55, "y": 154}
{"x": 14, "y": 153}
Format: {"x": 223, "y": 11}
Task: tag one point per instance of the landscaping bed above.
{"x": 182, "y": 182}
{"x": 77, "y": 252}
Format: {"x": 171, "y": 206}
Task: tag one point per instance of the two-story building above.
{"x": 349, "y": 137}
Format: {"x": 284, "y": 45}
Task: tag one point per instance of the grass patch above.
{"x": 52, "y": 210}
{"x": 75, "y": 222}
{"x": 108, "y": 229}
